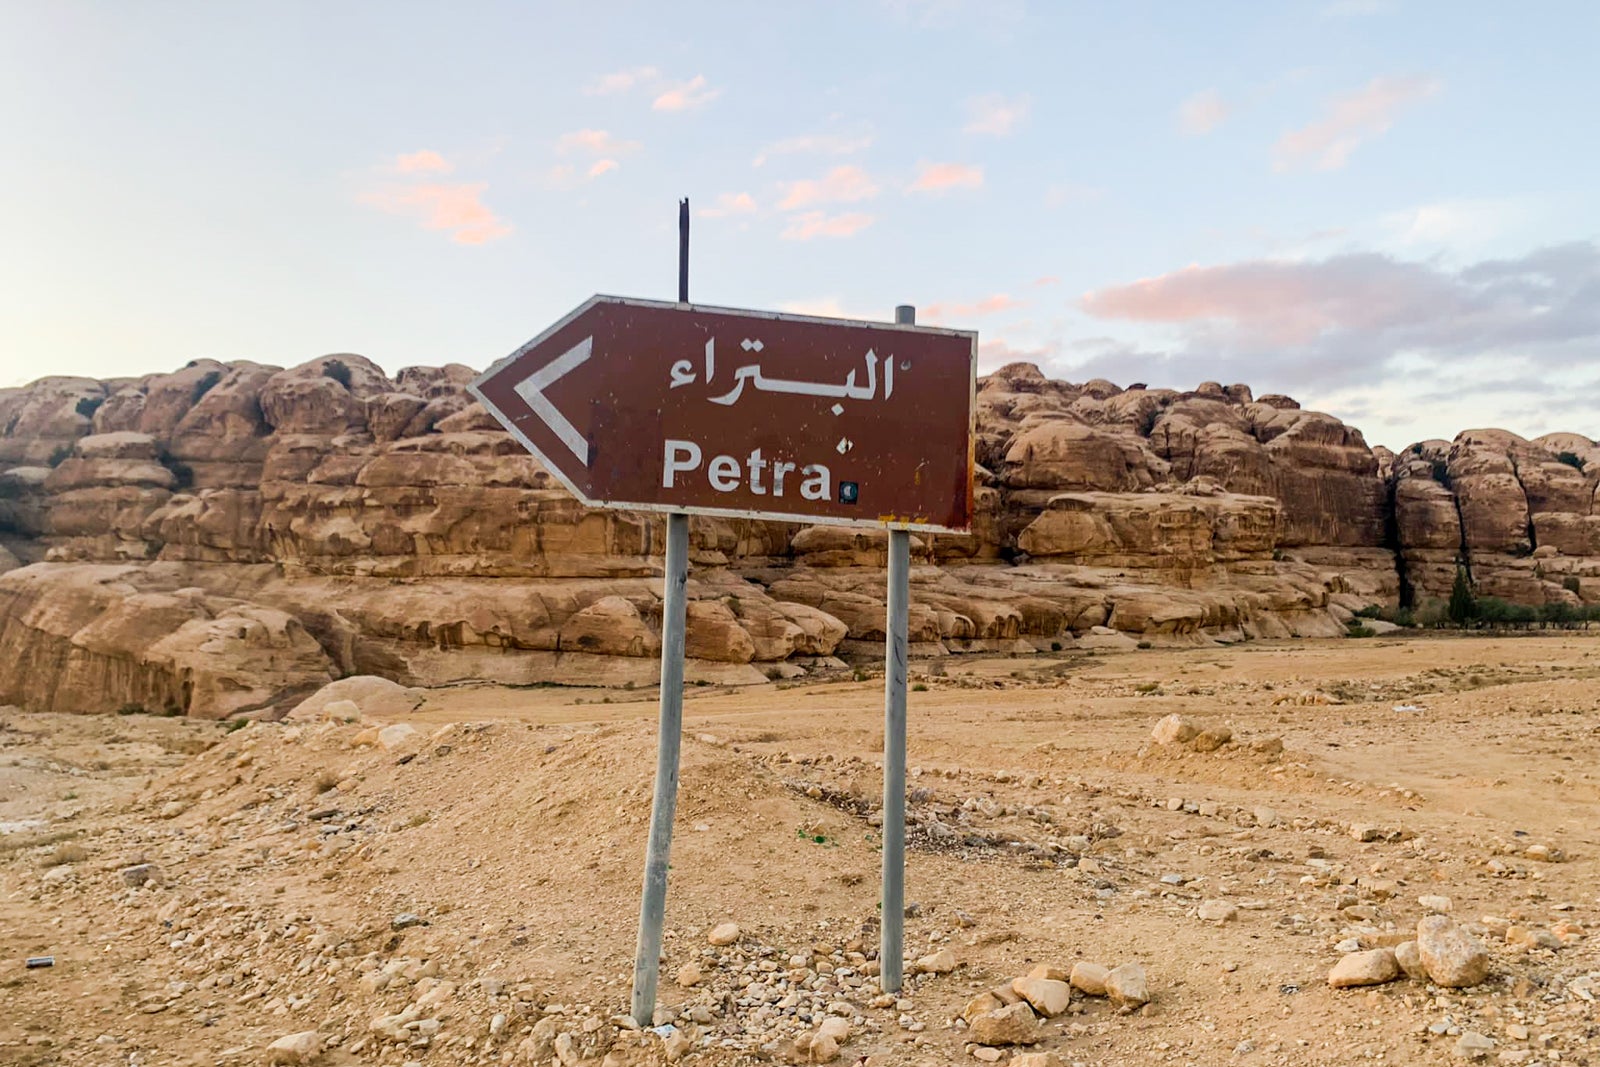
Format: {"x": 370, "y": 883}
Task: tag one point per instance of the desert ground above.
{"x": 466, "y": 891}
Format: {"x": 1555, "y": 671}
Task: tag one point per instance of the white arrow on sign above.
{"x": 531, "y": 390}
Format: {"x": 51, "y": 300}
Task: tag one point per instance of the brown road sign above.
{"x": 654, "y": 406}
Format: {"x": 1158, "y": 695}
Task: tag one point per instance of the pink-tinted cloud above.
{"x": 602, "y": 166}
{"x": 813, "y": 224}
{"x": 730, "y": 204}
{"x": 1202, "y": 113}
{"x": 943, "y": 177}
{"x": 1047, "y": 279}
{"x": 458, "y": 209}
{"x": 996, "y": 115}
{"x": 989, "y": 305}
{"x": 426, "y": 161}
{"x": 821, "y": 144}
{"x": 686, "y": 97}
{"x": 1351, "y": 119}
{"x": 840, "y": 185}
{"x": 620, "y": 81}
{"x": 594, "y": 143}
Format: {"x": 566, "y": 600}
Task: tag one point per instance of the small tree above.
{"x": 1463, "y": 606}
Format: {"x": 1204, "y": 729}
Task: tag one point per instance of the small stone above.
{"x": 1531, "y": 937}
{"x": 1035, "y": 1059}
{"x": 1453, "y": 957}
{"x": 141, "y": 874}
{"x": 1089, "y": 978}
{"x": 406, "y": 920}
{"x": 689, "y": 975}
{"x": 1218, "y": 911}
{"x": 836, "y": 1028}
{"x": 295, "y": 1049}
{"x": 1212, "y": 739}
{"x": 1436, "y": 904}
{"x": 1267, "y": 746}
{"x": 1365, "y": 832}
{"x": 1126, "y": 986}
{"x": 1266, "y": 816}
{"x": 1474, "y": 1046}
{"x": 1409, "y": 957}
{"x": 824, "y": 1049}
{"x": 723, "y": 934}
{"x": 1175, "y": 730}
{"x": 1048, "y": 997}
{"x": 673, "y": 1046}
{"x": 985, "y": 1054}
{"x": 397, "y": 735}
{"x": 1054, "y": 974}
{"x": 941, "y": 962}
{"x": 1364, "y": 969}
{"x": 1517, "y": 1032}
{"x": 1544, "y": 854}
{"x": 981, "y": 1003}
{"x": 497, "y": 1024}
{"x": 1015, "y": 1025}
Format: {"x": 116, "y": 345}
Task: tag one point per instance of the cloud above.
{"x": 1047, "y": 279}
{"x": 995, "y": 114}
{"x": 1356, "y": 318}
{"x": 1065, "y": 193}
{"x": 729, "y": 204}
{"x": 828, "y": 307}
{"x": 1351, "y": 119}
{"x": 686, "y": 97}
{"x": 1202, "y": 113}
{"x": 820, "y": 144}
{"x": 457, "y": 208}
{"x": 844, "y": 184}
{"x": 942, "y": 177}
{"x": 602, "y": 166}
{"x": 426, "y": 161}
{"x": 989, "y": 305}
{"x": 620, "y": 81}
{"x": 1457, "y": 223}
{"x": 813, "y": 224}
{"x": 594, "y": 143}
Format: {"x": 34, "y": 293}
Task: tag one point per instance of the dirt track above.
{"x": 1045, "y": 820}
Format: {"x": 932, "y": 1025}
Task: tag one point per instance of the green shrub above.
{"x": 88, "y": 405}
{"x": 1571, "y": 459}
{"x": 1371, "y": 611}
{"x": 207, "y": 381}
{"x": 336, "y": 370}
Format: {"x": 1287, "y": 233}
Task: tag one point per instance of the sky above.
{"x": 1387, "y": 209}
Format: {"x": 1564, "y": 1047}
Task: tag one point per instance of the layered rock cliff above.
{"x": 222, "y": 538}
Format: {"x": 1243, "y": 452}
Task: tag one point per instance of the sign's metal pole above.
{"x": 891, "y": 947}
{"x": 652, "y": 909}
{"x": 669, "y": 740}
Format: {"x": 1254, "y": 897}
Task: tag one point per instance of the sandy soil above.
{"x": 1047, "y": 827}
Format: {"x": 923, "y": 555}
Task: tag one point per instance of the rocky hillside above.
{"x": 221, "y": 539}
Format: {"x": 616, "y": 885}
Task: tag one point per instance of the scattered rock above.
{"x": 295, "y": 1049}
{"x": 1212, "y": 739}
{"x": 1436, "y": 904}
{"x": 723, "y": 934}
{"x": 689, "y": 975}
{"x": 1365, "y": 832}
{"x": 405, "y": 920}
{"x": 141, "y": 874}
{"x": 1474, "y": 1046}
{"x": 1409, "y": 957}
{"x": 1127, "y": 987}
{"x": 1175, "y": 730}
{"x": 1047, "y": 996}
{"x": 941, "y": 962}
{"x": 1364, "y": 968}
{"x": 1089, "y": 978}
{"x": 1452, "y": 956}
{"x": 1014, "y": 1025}
{"x": 1218, "y": 911}
{"x": 674, "y": 1046}
{"x": 1035, "y": 1059}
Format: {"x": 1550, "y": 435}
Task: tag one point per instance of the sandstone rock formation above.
{"x": 225, "y": 538}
